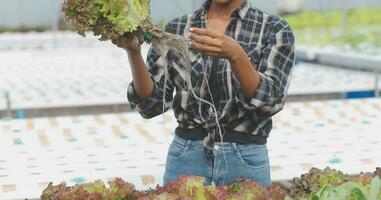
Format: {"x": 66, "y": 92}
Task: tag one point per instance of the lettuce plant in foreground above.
{"x": 185, "y": 188}
{"x": 327, "y": 184}
{"x": 350, "y": 191}
{"x": 117, "y": 189}
{"x": 314, "y": 180}
{"x": 330, "y": 184}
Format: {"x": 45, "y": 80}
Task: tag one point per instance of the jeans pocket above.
{"x": 253, "y": 156}
{"x": 178, "y": 148}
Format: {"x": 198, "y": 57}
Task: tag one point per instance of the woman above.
{"x": 241, "y": 60}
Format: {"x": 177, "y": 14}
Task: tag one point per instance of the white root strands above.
{"x": 171, "y": 42}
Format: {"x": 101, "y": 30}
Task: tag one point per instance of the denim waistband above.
{"x": 228, "y": 136}
{"x": 226, "y": 146}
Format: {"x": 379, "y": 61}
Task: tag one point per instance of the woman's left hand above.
{"x": 213, "y": 43}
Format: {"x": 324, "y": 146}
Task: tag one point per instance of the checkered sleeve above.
{"x": 278, "y": 60}
{"x": 153, "y": 106}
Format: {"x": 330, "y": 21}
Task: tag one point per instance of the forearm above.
{"x": 141, "y": 78}
{"x": 218, "y": 44}
{"x": 246, "y": 74}
{"x": 263, "y": 89}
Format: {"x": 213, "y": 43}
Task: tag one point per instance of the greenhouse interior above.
{"x": 65, "y": 116}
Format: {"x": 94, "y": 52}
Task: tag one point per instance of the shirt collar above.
{"x": 241, "y": 11}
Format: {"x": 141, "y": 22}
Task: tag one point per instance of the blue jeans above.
{"x": 186, "y": 157}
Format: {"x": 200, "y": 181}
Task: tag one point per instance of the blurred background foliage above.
{"x": 356, "y": 28}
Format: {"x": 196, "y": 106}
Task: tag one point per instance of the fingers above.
{"x": 127, "y": 41}
{"x": 210, "y": 50}
{"x": 204, "y": 40}
{"x": 206, "y": 32}
{"x": 207, "y": 41}
{"x": 117, "y": 42}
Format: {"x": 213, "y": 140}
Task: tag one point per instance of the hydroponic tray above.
{"x": 335, "y": 56}
{"x": 309, "y": 79}
{"x": 45, "y": 40}
{"x": 75, "y": 77}
{"x": 341, "y": 134}
{"x": 65, "y": 77}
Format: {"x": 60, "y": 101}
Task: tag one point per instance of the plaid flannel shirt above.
{"x": 269, "y": 44}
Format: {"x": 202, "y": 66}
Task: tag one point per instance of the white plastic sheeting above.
{"x": 341, "y": 134}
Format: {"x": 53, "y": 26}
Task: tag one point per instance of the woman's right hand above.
{"x": 131, "y": 43}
